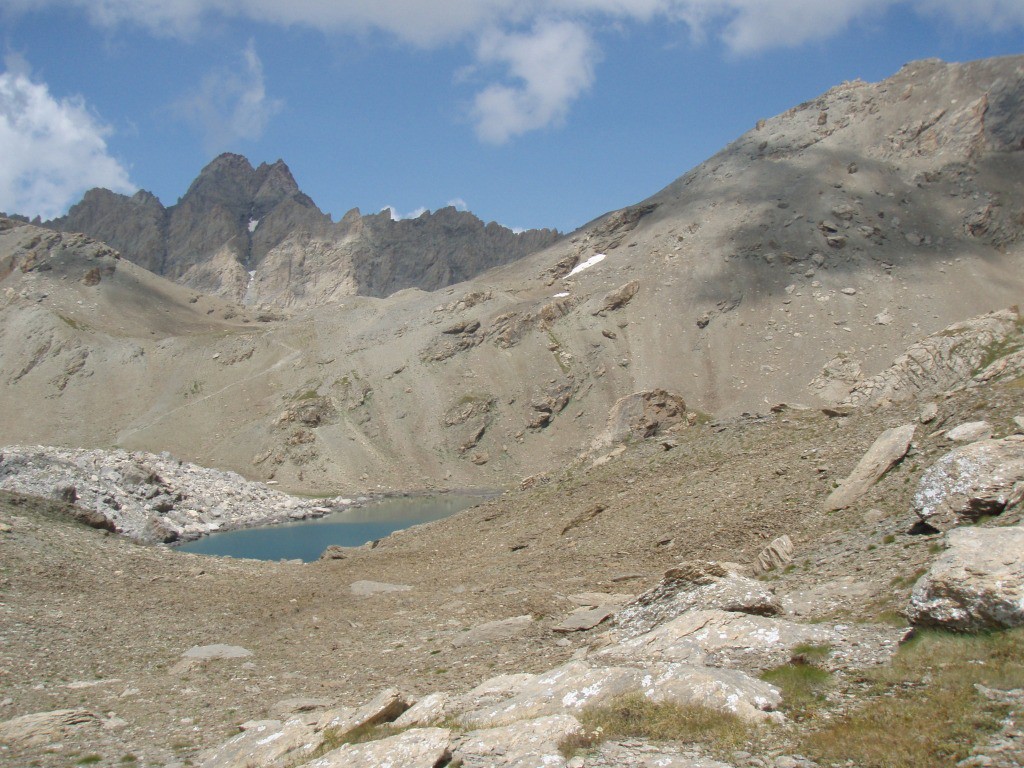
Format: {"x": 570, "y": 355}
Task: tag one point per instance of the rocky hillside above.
{"x": 712, "y": 575}
{"x": 794, "y": 266}
{"x": 251, "y": 235}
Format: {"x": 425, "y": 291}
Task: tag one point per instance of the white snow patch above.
{"x": 561, "y": 295}
{"x": 597, "y": 258}
{"x": 253, "y": 223}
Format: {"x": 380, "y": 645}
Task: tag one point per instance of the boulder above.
{"x": 528, "y": 742}
{"x": 618, "y": 298}
{"x": 493, "y": 690}
{"x": 983, "y": 478}
{"x": 696, "y": 585}
{"x": 890, "y": 447}
{"x": 385, "y": 707}
{"x": 970, "y": 432}
{"x": 778, "y": 554}
{"x": 976, "y": 584}
{"x": 265, "y": 744}
{"x": 416, "y": 748}
{"x": 583, "y": 619}
{"x": 642, "y": 415}
{"x": 41, "y": 728}
{"x": 697, "y": 636}
{"x": 725, "y": 690}
{"x": 430, "y": 710}
{"x": 494, "y": 631}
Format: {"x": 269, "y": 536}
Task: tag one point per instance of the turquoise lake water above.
{"x": 307, "y": 539}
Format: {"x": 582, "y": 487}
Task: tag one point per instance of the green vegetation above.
{"x": 90, "y": 760}
{"x": 803, "y": 685}
{"x": 335, "y": 737}
{"x": 636, "y": 716}
{"x": 923, "y": 708}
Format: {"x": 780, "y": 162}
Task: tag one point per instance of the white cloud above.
{"x": 545, "y": 68}
{"x": 231, "y": 105}
{"x": 53, "y": 149}
{"x": 458, "y": 204}
{"x": 550, "y": 67}
{"x": 396, "y": 216}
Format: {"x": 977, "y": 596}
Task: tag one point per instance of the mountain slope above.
{"x": 831, "y": 237}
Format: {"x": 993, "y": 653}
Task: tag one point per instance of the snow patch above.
{"x": 561, "y": 295}
{"x": 597, "y": 258}
{"x": 253, "y": 223}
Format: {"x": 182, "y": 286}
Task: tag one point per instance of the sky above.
{"x": 528, "y": 113}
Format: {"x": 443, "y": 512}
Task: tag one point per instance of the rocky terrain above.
{"x": 794, "y": 266}
{"x": 249, "y": 234}
{"x": 763, "y": 435}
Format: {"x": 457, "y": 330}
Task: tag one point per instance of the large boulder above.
{"x": 416, "y": 748}
{"x": 528, "y": 742}
{"x": 976, "y": 584}
{"x": 642, "y": 415}
{"x": 889, "y": 448}
{"x": 41, "y": 728}
{"x": 696, "y": 586}
{"x": 265, "y": 744}
{"x": 983, "y": 478}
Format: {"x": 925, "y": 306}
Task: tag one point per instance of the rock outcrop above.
{"x": 889, "y": 448}
{"x": 977, "y": 584}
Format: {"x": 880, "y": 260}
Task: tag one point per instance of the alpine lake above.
{"x": 307, "y": 539}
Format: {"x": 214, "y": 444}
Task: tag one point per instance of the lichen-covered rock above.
{"x": 976, "y": 584}
{"x": 416, "y": 748}
{"x": 528, "y": 742}
{"x": 265, "y": 744}
{"x": 983, "y": 478}
{"x": 696, "y": 585}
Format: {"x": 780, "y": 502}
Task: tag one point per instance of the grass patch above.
{"x": 335, "y": 737}
{"x": 803, "y": 685}
{"x": 90, "y": 760}
{"x": 636, "y": 716}
{"x": 924, "y": 708}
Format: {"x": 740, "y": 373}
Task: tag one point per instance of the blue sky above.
{"x": 529, "y": 113}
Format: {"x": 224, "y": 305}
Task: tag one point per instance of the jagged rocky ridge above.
{"x": 251, "y": 235}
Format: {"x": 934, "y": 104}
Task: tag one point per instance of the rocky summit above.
{"x": 760, "y": 439}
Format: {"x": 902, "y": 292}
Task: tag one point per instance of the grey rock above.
{"x": 41, "y": 728}
{"x": 970, "y": 432}
{"x": 983, "y": 478}
{"x": 696, "y": 585}
{"x": 364, "y": 588}
{"x": 583, "y": 619}
{"x": 642, "y": 415}
{"x": 216, "y": 651}
{"x": 494, "y": 631}
{"x": 265, "y": 744}
{"x": 531, "y": 742}
{"x": 430, "y": 710}
{"x": 778, "y": 554}
{"x": 385, "y": 707}
{"x": 976, "y": 584}
{"x": 889, "y": 448}
{"x": 416, "y": 748}
{"x": 928, "y": 413}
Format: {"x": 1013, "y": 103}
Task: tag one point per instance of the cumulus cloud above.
{"x": 549, "y": 67}
{"x": 537, "y": 80}
{"x": 231, "y": 105}
{"x": 396, "y": 216}
{"x": 53, "y": 149}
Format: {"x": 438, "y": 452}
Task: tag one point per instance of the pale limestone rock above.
{"x": 1018, "y": 422}
{"x": 928, "y": 413}
{"x": 696, "y": 585}
{"x": 566, "y": 688}
{"x": 265, "y": 744}
{"x": 494, "y": 631}
{"x": 890, "y": 447}
{"x": 417, "y": 748}
{"x": 525, "y": 743}
{"x": 970, "y": 432}
{"x": 41, "y": 728}
{"x": 727, "y": 690}
{"x": 583, "y": 619}
{"x": 430, "y": 710}
{"x": 691, "y": 637}
{"x": 494, "y": 690}
{"x": 976, "y": 584}
{"x": 600, "y": 599}
{"x": 368, "y": 588}
{"x": 778, "y": 554}
{"x": 383, "y": 708}
{"x": 983, "y": 478}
